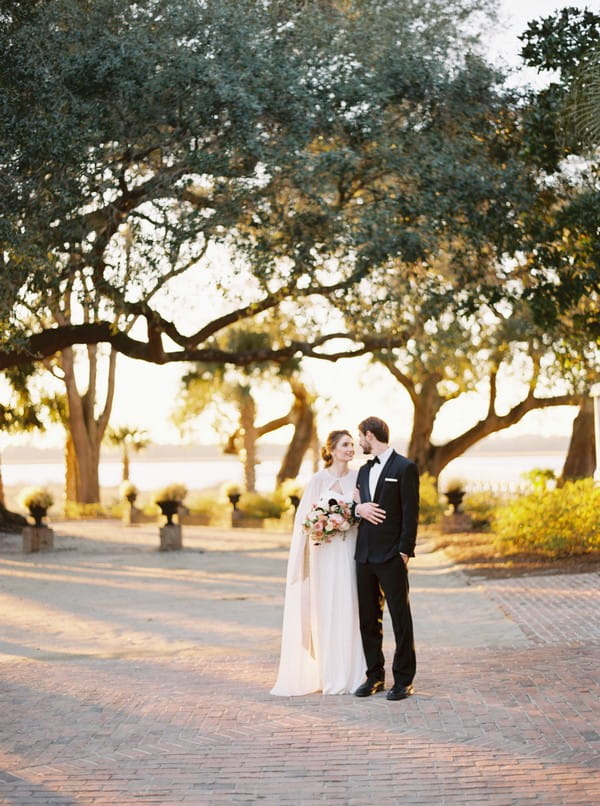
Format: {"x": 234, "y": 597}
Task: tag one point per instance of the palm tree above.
{"x": 583, "y": 101}
{"x": 127, "y": 438}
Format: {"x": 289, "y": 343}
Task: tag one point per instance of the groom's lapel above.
{"x": 365, "y": 494}
{"x": 382, "y": 476}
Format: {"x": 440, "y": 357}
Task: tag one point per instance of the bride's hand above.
{"x": 356, "y": 495}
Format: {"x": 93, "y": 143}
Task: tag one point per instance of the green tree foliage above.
{"x": 316, "y": 139}
{"x": 560, "y": 269}
{"x": 561, "y": 272}
{"x": 583, "y": 102}
{"x": 17, "y": 413}
{"x": 473, "y": 320}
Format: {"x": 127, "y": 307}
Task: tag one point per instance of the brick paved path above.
{"x": 133, "y": 676}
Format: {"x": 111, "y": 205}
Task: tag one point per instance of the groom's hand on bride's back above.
{"x": 370, "y": 512}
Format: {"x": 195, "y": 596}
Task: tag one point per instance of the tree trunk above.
{"x": 315, "y": 448}
{"x": 581, "y": 456}
{"x": 301, "y": 416}
{"x": 426, "y": 407}
{"x": 11, "y": 521}
{"x": 125, "y": 459}
{"x": 249, "y": 436}
{"x": 303, "y": 419}
{"x": 85, "y": 431}
{"x": 82, "y": 484}
{"x": 71, "y": 472}
{"x": 88, "y": 460}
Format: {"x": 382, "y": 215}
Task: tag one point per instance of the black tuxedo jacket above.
{"x": 398, "y": 493}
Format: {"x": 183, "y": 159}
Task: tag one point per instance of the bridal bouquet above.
{"x": 328, "y": 519}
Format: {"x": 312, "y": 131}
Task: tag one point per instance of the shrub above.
{"x": 558, "y": 522}
{"x": 482, "y": 506}
{"x": 540, "y": 478}
{"x": 431, "y": 507}
{"x": 76, "y": 511}
{"x": 257, "y": 505}
{"x": 204, "y": 504}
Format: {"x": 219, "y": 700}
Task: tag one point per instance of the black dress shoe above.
{"x": 399, "y": 692}
{"x": 369, "y": 687}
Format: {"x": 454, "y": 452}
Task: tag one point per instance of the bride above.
{"x": 321, "y": 648}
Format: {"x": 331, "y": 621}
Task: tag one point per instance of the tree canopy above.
{"x": 315, "y": 140}
{"x": 562, "y": 269}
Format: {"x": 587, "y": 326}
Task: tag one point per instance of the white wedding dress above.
{"x": 321, "y": 648}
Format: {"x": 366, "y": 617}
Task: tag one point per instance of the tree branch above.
{"x": 403, "y": 379}
{"x": 273, "y": 425}
{"x": 493, "y": 423}
{"x": 47, "y": 343}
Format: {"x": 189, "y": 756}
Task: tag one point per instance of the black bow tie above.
{"x": 374, "y": 461}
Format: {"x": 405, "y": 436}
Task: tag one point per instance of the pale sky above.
{"x": 352, "y": 390}
{"x": 517, "y": 13}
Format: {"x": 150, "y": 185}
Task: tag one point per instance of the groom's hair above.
{"x": 377, "y": 427}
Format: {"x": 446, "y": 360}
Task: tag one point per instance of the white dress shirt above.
{"x": 376, "y": 469}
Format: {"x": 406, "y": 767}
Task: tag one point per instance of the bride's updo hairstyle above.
{"x": 332, "y": 440}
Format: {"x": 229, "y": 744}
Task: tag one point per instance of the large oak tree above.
{"x": 315, "y": 139}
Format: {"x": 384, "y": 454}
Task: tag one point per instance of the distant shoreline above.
{"x": 139, "y": 460}
{"x": 501, "y": 471}
{"x": 528, "y": 445}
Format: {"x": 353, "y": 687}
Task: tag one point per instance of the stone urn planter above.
{"x": 171, "y": 537}
{"x": 233, "y": 493}
{"x": 234, "y": 499}
{"x": 455, "y": 498}
{"x": 293, "y": 491}
{"x": 169, "y": 500}
{"x": 38, "y": 514}
{"x": 455, "y": 492}
{"x": 38, "y": 537}
{"x": 169, "y": 509}
{"x": 129, "y": 494}
{"x": 456, "y": 520}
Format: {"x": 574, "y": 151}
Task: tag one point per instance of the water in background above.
{"x": 497, "y": 471}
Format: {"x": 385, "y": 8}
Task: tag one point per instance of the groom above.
{"x": 388, "y": 487}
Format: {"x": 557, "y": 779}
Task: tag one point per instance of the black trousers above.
{"x": 379, "y": 583}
